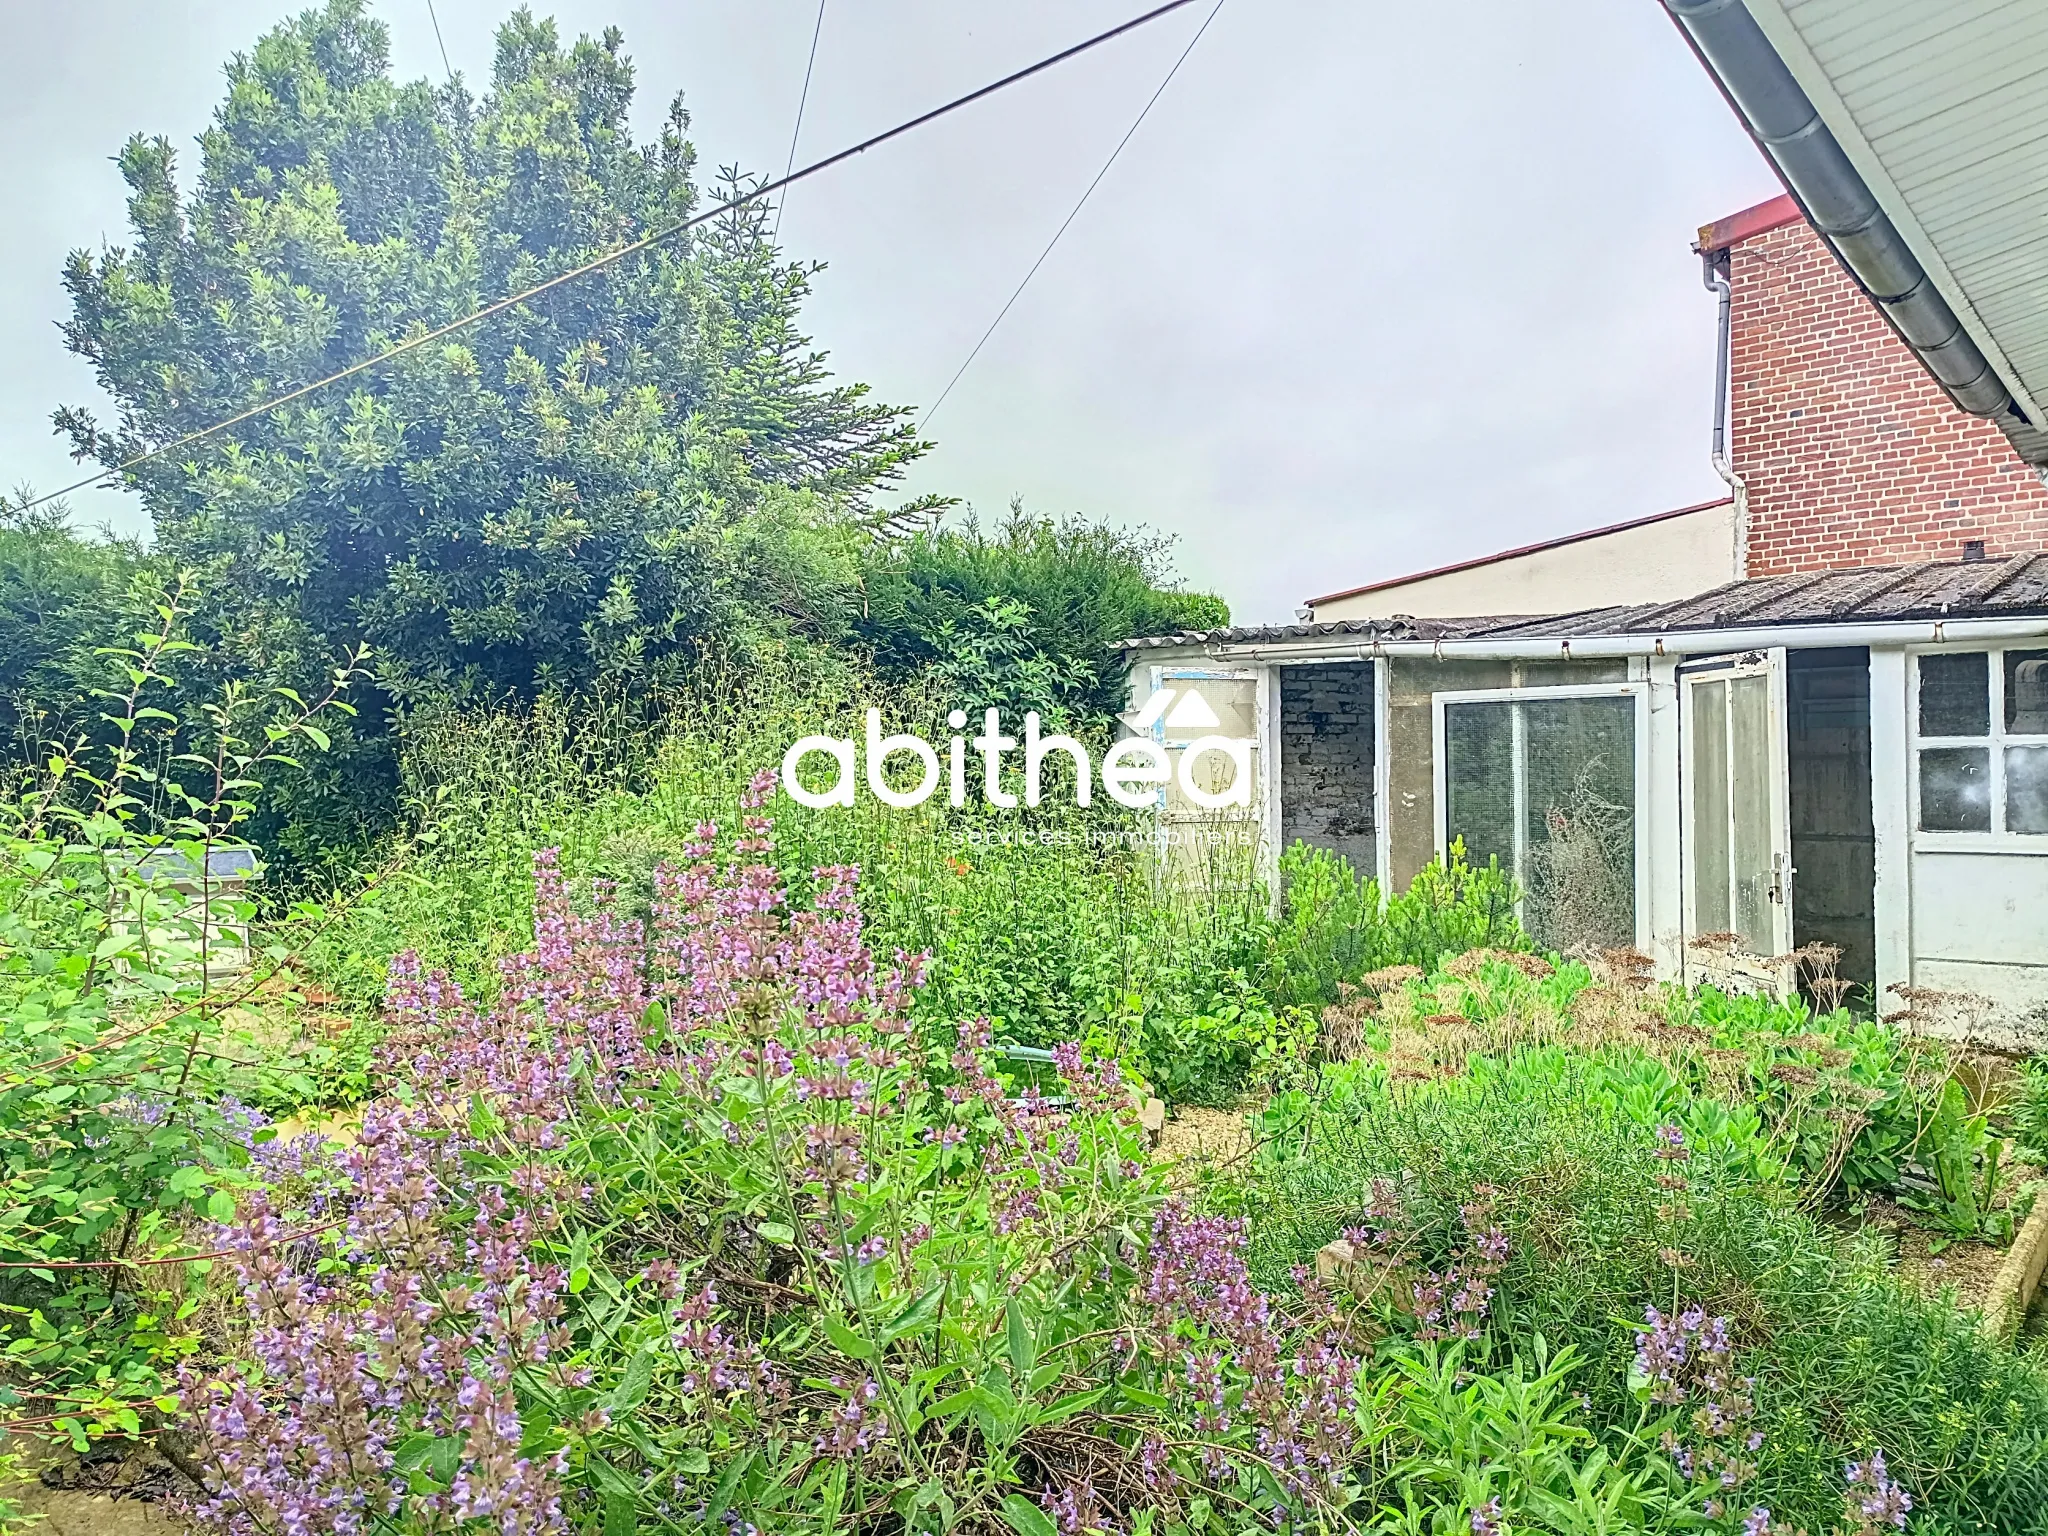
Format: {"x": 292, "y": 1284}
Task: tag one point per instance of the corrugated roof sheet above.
{"x": 2016, "y": 586}
{"x": 1932, "y": 589}
{"x": 1365, "y": 630}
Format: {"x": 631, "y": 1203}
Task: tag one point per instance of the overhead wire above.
{"x": 434, "y": 17}
{"x": 817, "y": 30}
{"x": 1010, "y": 303}
{"x": 598, "y": 263}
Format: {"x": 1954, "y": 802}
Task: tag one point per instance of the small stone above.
{"x": 1334, "y": 1259}
{"x": 1152, "y": 1119}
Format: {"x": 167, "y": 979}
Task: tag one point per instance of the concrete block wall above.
{"x": 1326, "y": 759}
{"x": 1852, "y": 454}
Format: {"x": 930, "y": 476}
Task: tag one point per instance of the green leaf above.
{"x": 1023, "y": 1350}
{"x": 916, "y": 1317}
{"x": 933, "y": 1495}
{"x": 1073, "y": 1403}
{"x": 621, "y": 1517}
{"x": 693, "y": 1461}
{"x": 631, "y": 1390}
{"x": 777, "y": 1233}
{"x": 220, "y": 1206}
{"x": 1026, "y": 1518}
{"x": 722, "y": 1495}
{"x": 187, "y": 1182}
{"x": 846, "y": 1341}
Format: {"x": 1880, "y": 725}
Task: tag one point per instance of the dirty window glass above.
{"x": 2026, "y": 789}
{"x": 1548, "y": 786}
{"x": 1204, "y": 707}
{"x": 1955, "y": 695}
{"x": 1749, "y": 760}
{"x": 1479, "y": 780}
{"x": 1579, "y": 860}
{"x": 1955, "y": 789}
{"x": 1709, "y": 767}
{"x": 2026, "y": 693}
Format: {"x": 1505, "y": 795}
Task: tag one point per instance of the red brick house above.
{"x": 1849, "y": 452}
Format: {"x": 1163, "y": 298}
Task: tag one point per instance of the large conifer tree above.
{"x": 557, "y": 494}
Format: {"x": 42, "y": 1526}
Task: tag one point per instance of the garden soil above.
{"x": 1204, "y": 1136}
{"x": 108, "y": 1496}
{"x": 1968, "y": 1268}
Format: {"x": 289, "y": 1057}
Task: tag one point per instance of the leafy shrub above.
{"x": 1575, "y": 1153}
{"x": 1330, "y": 929}
{"x": 1849, "y": 1102}
{"x": 1027, "y": 615}
{"x": 1335, "y": 928}
{"x": 1451, "y": 907}
{"x": 2030, "y": 1111}
{"x": 1054, "y": 927}
{"x": 62, "y": 596}
{"x": 118, "y": 1064}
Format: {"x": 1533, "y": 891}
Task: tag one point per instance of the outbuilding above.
{"x": 1855, "y": 760}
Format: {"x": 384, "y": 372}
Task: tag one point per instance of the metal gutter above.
{"x": 1680, "y": 642}
{"x": 1782, "y": 119}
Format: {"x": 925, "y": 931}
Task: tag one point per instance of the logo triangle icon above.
{"x": 1155, "y": 706}
{"x": 1192, "y": 712}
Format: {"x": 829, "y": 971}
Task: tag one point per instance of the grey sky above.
{"x": 1375, "y": 287}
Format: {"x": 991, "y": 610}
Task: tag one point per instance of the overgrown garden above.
{"x": 567, "y": 1131}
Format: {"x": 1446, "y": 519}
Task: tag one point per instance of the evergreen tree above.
{"x": 568, "y": 492}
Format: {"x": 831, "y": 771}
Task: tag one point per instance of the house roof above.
{"x": 1944, "y": 109}
{"x": 1525, "y": 549}
{"x": 2013, "y": 587}
{"x": 1917, "y": 137}
{"x": 1398, "y": 628}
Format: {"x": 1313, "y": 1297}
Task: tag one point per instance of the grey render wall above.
{"x": 1326, "y": 759}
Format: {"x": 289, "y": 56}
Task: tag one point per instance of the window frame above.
{"x": 1637, "y": 690}
{"x": 1998, "y": 839}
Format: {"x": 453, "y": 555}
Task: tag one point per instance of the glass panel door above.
{"x": 1737, "y": 868}
{"x": 1545, "y": 782}
{"x": 1212, "y": 836}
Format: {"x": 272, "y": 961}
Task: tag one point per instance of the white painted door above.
{"x": 1737, "y": 853}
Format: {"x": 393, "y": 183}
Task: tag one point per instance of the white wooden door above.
{"x": 1737, "y": 863}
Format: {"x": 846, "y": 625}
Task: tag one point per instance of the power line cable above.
{"x": 609, "y": 258}
{"x": 817, "y": 30}
{"x": 1010, "y": 303}
{"x": 447, "y": 68}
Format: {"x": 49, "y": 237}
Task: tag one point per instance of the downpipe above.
{"x": 1714, "y": 278}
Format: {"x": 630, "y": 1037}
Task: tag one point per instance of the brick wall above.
{"x": 1852, "y": 454}
{"x": 1326, "y": 717}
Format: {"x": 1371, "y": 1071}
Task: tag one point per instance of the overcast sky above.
{"x": 1376, "y": 287}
